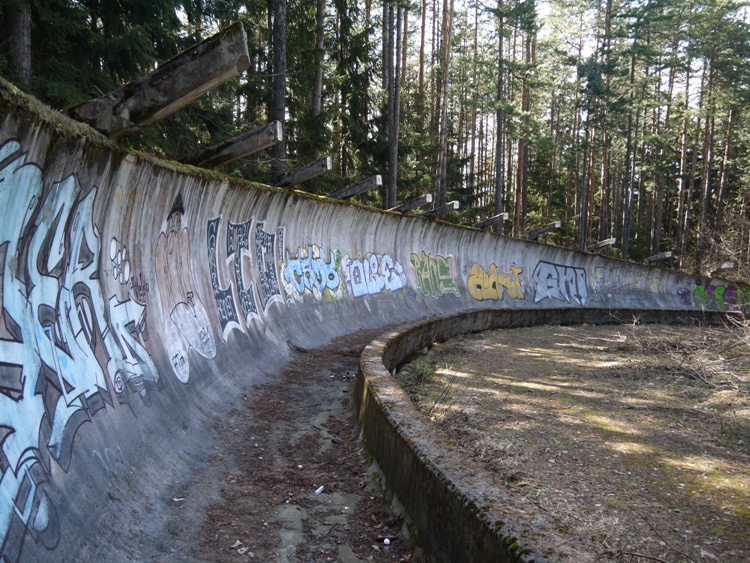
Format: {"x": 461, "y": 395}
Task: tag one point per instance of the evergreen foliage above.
{"x": 619, "y": 118}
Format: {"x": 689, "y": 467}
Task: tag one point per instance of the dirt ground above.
{"x": 620, "y": 443}
{"x": 294, "y": 483}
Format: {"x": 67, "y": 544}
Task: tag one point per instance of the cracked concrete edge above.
{"x": 447, "y": 512}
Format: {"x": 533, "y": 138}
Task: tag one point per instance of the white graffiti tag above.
{"x": 373, "y": 274}
{"x": 564, "y": 283}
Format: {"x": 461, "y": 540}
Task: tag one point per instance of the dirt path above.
{"x": 294, "y": 439}
{"x": 617, "y": 443}
{"x": 609, "y": 440}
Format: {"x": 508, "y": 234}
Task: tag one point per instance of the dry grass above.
{"x": 632, "y": 442}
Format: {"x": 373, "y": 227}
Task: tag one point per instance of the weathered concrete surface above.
{"x": 459, "y": 514}
{"x": 141, "y": 300}
{"x": 235, "y": 148}
{"x": 172, "y": 86}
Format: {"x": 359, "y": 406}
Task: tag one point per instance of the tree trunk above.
{"x": 500, "y": 118}
{"x": 628, "y": 177}
{"x": 691, "y": 180}
{"x": 583, "y": 210}
{"x": 683, "y": 186}
{"x": 723, "y": 170}
{"x": 420, "y": 87}
{"x": 317, "y": 94}
{"x": 441, "y": 181}
{"x": 20, "y": 41}
{"x": 707, "y": 165}
{"x": 522, "y": 180}
{"x": 472, "y": 180}
{"x": 605, "y": 196}
{"x": 404, "y": 43}
{"x": 394, "y": 102}
{"x": 662, "y": 163}
{"x": 278, "y": 95}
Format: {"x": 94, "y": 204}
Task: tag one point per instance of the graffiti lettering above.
{"x": 120, "y": 260}
{"x": 266, "y": 259}
{"x": 58, "y": 338}
{"x": 485, "y": 286}
{"x": 564, "y": 283}
{"x": 310, "y": 274}
{"x": 238, "y": 244}
{"x": 373, "y": 274}
{"x": 434, "y": 274}
{"x": 139, "y": 288}
{"x": 720, "y": 297}
{"x": 223, "y": 297}
{"x": 254, "y": 297}
{"x": 614, "y": 278}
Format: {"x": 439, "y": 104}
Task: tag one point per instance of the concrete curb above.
{"x": 447, "y": 511}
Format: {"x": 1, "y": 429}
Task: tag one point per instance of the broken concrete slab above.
{"x": 237, "y": 147}
{"x": 307, "y": 172}
{"x": 172, "y": 86}
{"x": 358, "y": 188}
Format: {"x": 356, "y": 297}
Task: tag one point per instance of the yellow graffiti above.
{"x": 490, "y": 285}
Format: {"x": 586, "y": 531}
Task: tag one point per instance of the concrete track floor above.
{"x": 255, "y": 499}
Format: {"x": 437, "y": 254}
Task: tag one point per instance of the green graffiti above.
{"x": 434, "y": 274}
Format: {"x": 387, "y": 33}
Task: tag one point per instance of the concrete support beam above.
{"x": 450, "y": 206}
{"x": 658, "y": 257}
{"x": 413, "y": 204}
{"x": 601, "y": 244}
{"x": 534, "y": 235}
{"x": 170, "y": 87}
{"x": 719, "y": 267}
{"x": 300, "y": 175}
{"x": 499, "y": 218}
{"x": 358, "y": 188}
{"x": 235, "y": 148}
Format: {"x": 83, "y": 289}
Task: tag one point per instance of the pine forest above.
{"x": 622, "y": 124}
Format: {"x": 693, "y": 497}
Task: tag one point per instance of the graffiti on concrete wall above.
{"x": 222, "y": 296}
{"x": 707, "y": 294}
{"x": 63, "y": 346}
{"x": 121, "y": 267}
{"x": 238, "y": 247}
{"x": 435, "y": 274}
{"x": 186, "y": 324}
{"x": 268, "y": 248}
{"x": 247, "y": 244}
{"x": 119, "y": 261}
{"x": 556, "y": 281}
{"x": 372, "y": 274}
{"x": 610, "y": 279}
{"x": 139, "y": 288}
{"x": 312, "y": 272}
{"x": 710, "y": 294}
{"x": 493, "y": 285}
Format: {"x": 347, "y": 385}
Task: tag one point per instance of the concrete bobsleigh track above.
{"x": 141, "y": 299}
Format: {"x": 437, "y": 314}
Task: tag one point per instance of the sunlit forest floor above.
{"x": 616, "y": 443}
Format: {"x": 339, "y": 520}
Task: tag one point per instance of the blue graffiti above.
{"x": 373, "y": 274}
{"x": 310, "y": 274}
{"x": 564, "y": 283}
{"x": 63, "y": 345}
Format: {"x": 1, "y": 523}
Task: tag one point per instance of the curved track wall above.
{"x": 465, "y": 518}
{"x": 141, "y": 299}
